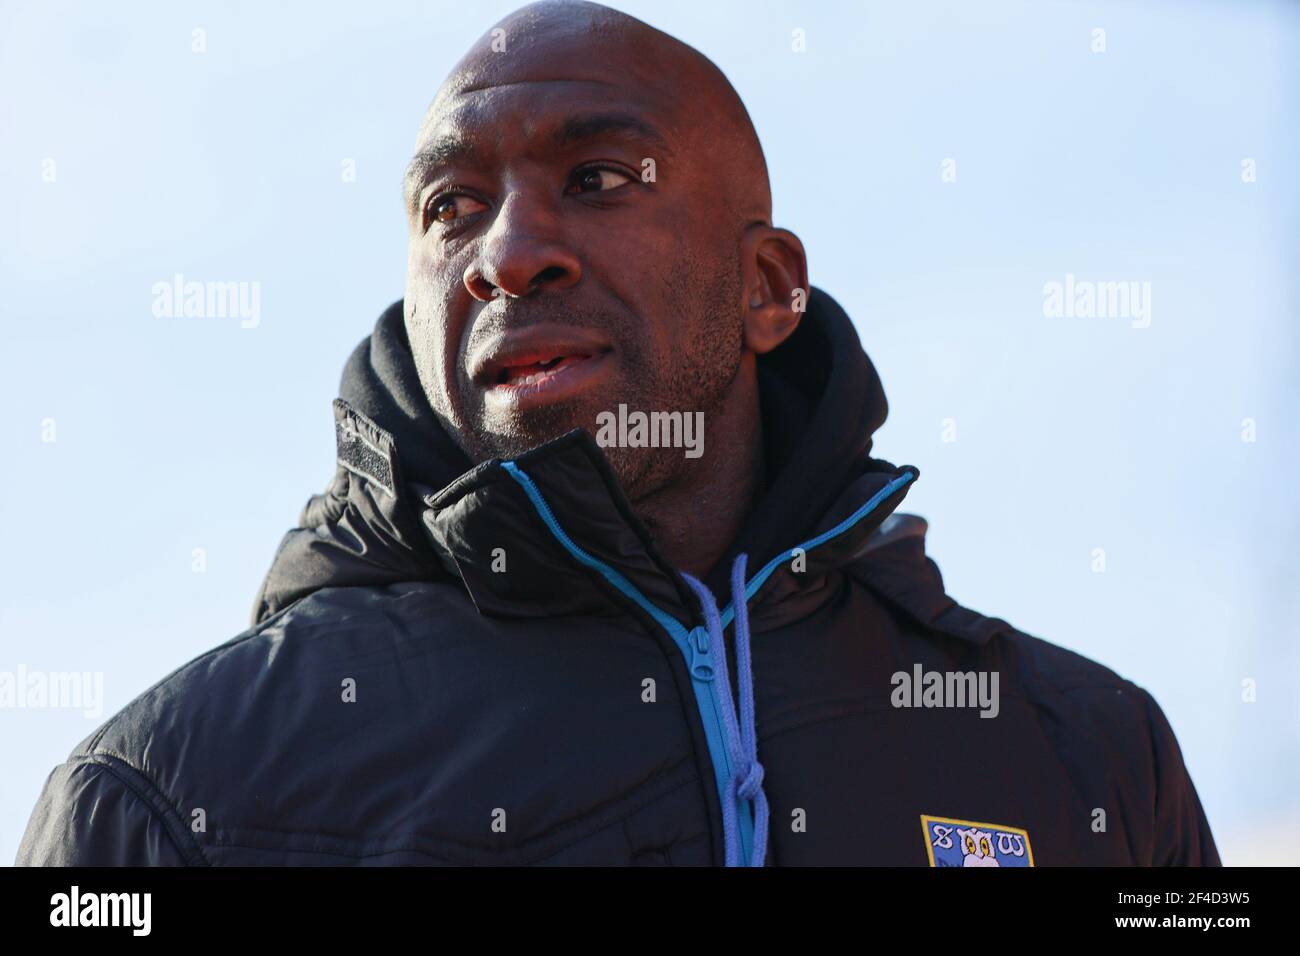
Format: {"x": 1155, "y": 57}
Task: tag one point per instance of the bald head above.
{"x": 598, "y": 45}
{"x": 590, "y": 226}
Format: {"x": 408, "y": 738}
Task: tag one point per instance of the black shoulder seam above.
{"x": 960, "y": 621}
{"x": 159, "y": 807}
{"x": 935, "y": 610}
{"x": 897, "y": 570}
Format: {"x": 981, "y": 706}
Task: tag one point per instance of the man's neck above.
{"x": 695, "y": 520}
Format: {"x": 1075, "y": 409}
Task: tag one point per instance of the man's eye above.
{"x": 449, "y": 208}
{"x": 594, "y": 180}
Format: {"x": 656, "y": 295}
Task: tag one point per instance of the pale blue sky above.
{"x": 1072, "y": 434}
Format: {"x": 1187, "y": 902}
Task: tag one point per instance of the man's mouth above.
{"x": 524, "y": 383}
{"x": 531, "y": 373}
{"x": 540, "y": 364}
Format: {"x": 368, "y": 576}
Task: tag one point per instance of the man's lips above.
{"x": 522, "y": 372}
{"x": 539, "y": 363}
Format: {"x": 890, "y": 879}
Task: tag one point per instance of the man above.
{"x": 609, "y": 403}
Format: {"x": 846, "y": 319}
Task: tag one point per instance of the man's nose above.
{"x": 522, "y": 253}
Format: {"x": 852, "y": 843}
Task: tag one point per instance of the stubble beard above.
{"x": 695, "y": 376}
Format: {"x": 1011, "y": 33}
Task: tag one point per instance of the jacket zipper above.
{"x": 696, "y": 648}
{"x": 695, "y": 643}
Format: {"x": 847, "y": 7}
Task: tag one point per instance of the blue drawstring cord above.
{"x": 742, "y": 742}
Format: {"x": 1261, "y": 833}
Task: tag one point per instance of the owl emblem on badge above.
{"x": 976, "y": 848}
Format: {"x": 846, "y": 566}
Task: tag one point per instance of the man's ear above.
{"x": 776, "y": 286}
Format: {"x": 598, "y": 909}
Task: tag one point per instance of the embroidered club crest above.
{"x": 951, "y": 842}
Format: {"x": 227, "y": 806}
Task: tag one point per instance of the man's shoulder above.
{"x": 1055, "y": 680}
{"x": 1077, "y": 695}
{"x": 1096, "y": 720}
{"x": 898, "y": 571}
{"x": 269, "y": 681}
{"x": 229, "y": 733}
{"x": 1045, "y": 668}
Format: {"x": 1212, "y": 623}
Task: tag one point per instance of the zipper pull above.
{"x": 701, "y": 654}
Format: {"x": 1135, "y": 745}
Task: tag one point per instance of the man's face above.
{"x": 571, "y": 249}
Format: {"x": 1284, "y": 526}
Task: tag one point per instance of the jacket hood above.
{"x": 405, "y": 504}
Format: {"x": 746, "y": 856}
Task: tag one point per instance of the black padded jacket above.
{"x": 495, "y": 665}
